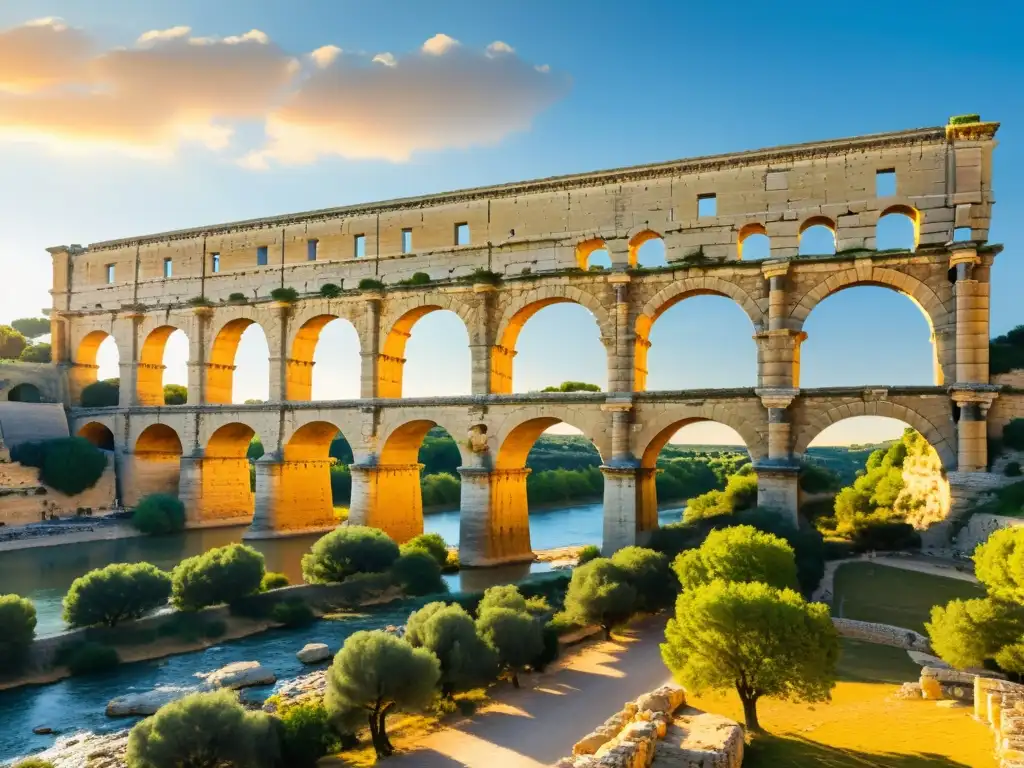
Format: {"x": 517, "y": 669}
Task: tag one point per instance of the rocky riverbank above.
{"x": 75, "y": 530}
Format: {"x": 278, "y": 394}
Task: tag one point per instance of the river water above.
{"x": 77, "y": 704}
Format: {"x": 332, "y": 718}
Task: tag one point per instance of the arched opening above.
{"x": 898, "y": 228}
{"x": 593, "y": 253}
{"x": 647, "y": 250}
{"x": 25, "y": 393}
{"x": 228, "y": 484}
{"x": 156, "y": 464}
{"x": 162, "y": 377}
{"x": 96, "y": 359}
{"x": 98, "y": 434}
{"x": 442, "y": 357}
{"x": 818, "y": 237}
{"x": 691, "y": 469}
{"x": 324, "y": 363}
{"x": 889, "y": 344}
{"x": 886, "y": 478}
{"x": 753, "y": 244}
{"x": 674, "y": 349}
{"x": 239, "y": 366}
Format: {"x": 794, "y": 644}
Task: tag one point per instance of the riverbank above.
{"x": 72, "y": 531}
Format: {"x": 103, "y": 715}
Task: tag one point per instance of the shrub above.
{"x": 272, "y": 580}
{"x": 588, "y": 553}
{"x": 418, "y": 573}
{"x": 649, "y": 574}
{"x": 418, "y": 278}
{"x": 17, "y": 630}
{"x": 599, "y": 593}
{"x": 288, "y": 295}
{"x": 37, "y": 353}
{"x": 970, "y": 633}
{"x": 12, "y": 343}
{"x": 888, "y": 535}
{"x": 305, "y": 734}
{"x": 431, "y": 543}
{"x": 204, "y": 730}
{"x": 550, "y": 650}
{"x": 292, "y": 612}
{"x": 69, "y": 464}
{"x": 330, "y": 290}
{"x": 89, "y": 658}
{"x": 175, "y": 394}
{"x": 1012, "y": 469}
{"x": 509, "y": 596}
{"x": 199, "y": 301}
{"x": 220, "y": 575}
{"x": 118, "y": 592}
{"x": 369, "y": 284}
{"x": 515, "y": 637}
{"x": 449, "y": 633}
{"x": 1013, "y": 435}
{"x": 159, "y": 514}
{"x": 101, "y": 394}
{"x": 740, "y": 553}
{"x": 964, "y": 119}
{"x": 485, "y": 276}
{"x": 347, "y": 551}
{"x": 238, "y": 298}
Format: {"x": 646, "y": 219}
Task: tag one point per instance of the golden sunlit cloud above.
{"x": 172, "y": 87}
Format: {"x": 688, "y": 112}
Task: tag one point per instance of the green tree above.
{"x": 255, "y": 450}
{"x": 37, "y": 353}
{"x": 739, "y": 553}
{"x": 515, "y": 637}
{"x": 509, "y": 596}
{"x": 752, "y": 637}
{"x": 449, "y": 633}
{"x": 588, "y": 553}
{"x": 175, "y": 394}
{"x": 204, "y": 730}
{"x": 273, "y": 580}
{"x": 32, "y": 327}
{"x": 968, "y": 633}
{"x": 11, "y": 343}
{"x": 115, "y": 593}
{"x": 374, "y": 674}
{"x": 600, "y": 593}
{"x": 71, "y": 464}
{"x": 221, "y": 575}
{"x": 101, "y": 394}
{"x": 159, "y": 514}
{"x": 431, "y": 543}
{"x": 999, "y": 564}
{"x": 346, "y": 551}
{"x": 417, "y": 573}
{"x": 650, "y": 575}
{"x": 305, "y": 734}
{"x": 17, "y": 631}
{"x": 740, "y": 493}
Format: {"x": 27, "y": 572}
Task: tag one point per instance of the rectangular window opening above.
{"x": 885, "y": 183}
{"x": 261, "y": 256}
{"x": 311, "y": 245}
{"x": 168, "y": 268}
{"x": 360, "y": 246}
{"x": 110, "y": 274}
{"x": 215, "y": 262}
{"x": 707, "y": 205}
{"x": 961, "y": 234}
{"x": 462, "y": 234}
{"x": 406, "y": 241}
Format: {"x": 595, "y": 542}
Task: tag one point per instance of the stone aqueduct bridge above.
{"x": 538, "y": 237}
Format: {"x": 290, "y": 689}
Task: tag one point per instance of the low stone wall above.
{"x": 652, "y": 731}
{"x": 882, "y": 634}
{"x": 980, "y": 526}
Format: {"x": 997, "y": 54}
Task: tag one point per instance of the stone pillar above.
{"x": 388, "y": 498}
{"x": 480, "y": 341}
{"x": 129, "y": 369}
{"x": 620, "y": 410}
{"x": 971, "y": 427}
{"x": 494, "y": 522}
{"x": 778, "y": 484}
{"x": 778, "y": 358}
{"x": 197, "y": 364}
{"x": 777, "y": 402}
{"x": 618, "y": 252}
{"x": 629, "y": 515}
{"x": 292, "y": 498}
{"x": 149, "y": 383}
{"x": 621, "y": 355}
{"x": 215, "y": 491}
{"x": 501, "y": 369}
{"x": 776, "y": 273}
{"x": 778, "y": 488}
{"x": 278, "y": 344}
{"x": 298, "y": 378}
{"x": 972, "y": 317}
{"x": 79, "y": 376}
{"x": 219, "y": 383}
{"x": 369, "y": 341}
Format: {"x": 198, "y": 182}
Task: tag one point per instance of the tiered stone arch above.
{"x": 221, "y": 356}
{"x": 150, "y": 370}
{"x": 85, "y": 345}
{"x": 308, "y": 322}
{"x": 636, "y": 241}
{"x": 155, "y": 464}
{"x": 587, "y": 418}
{"x": 671, "y": 295}
{"x": 586, "y": 248}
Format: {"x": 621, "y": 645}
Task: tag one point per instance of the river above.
{"x": 77, "y": 704}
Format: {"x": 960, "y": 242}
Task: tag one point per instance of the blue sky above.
{"x": 649, "y": 81}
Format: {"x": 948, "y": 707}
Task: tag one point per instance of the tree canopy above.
{"x": 431, "y": 543}
{"x": 449, "y": 633}
{"x": 17, "y": 630}
{"x": 514, "y": 636}
{"x": 509, "y": 596}
{"x": 11, "y": 343}
{"x": 346, "y": 551}
{"x": 36, "y": 353}
{"x": 115, "y": 593}
{"x": 175, "y": 394}
{"x": 158, "y": 514}
{"x": 999, "y": 564}
{"x": 599, "y": 593}
{"x": 650, "y": 575}
{"x": 221, "y": 575}
{"x": 417, "y": 573}
{"x": 31, "y": 327}
{"x": 738, "y": 553}
{"x": 101, "y": 394}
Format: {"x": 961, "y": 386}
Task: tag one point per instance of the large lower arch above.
{"x": 220, "y": 368}
{"x": 150, "y": 371}
{"x": 225, "y": 497}
{"x": 154, "y": 465}
{"x": 299, "y": 375}
{"x": 671, "y": 295}
{"x": 97, "y": 433}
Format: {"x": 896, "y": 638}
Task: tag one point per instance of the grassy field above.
{"x": 870, "y": 592}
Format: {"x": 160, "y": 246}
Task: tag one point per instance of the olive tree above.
{"x": 999, "y": 564}
{"x": 599, "y": 594}
{"x": 17, "y": 630}
{"x": 740, "y": 553}
{"x": 967, "y": 633}
{"x": 431, "y": 543}
{"x": 115, "y": 593}
{"x": 650, "y": 574}
{"x": 509, "y": 596}
{"x": 374, "y": 674}
{"x": 515, "y": 637}
{"x": 449, "y": 633}
{"x": 346, "y": 551}
{"x": 417, "y": 573}
{"x": 755, "y": 638}
{"x": 204, "y": 730}
{"x": 221, "y": 575}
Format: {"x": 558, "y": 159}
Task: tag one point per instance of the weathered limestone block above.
{"x": 147, "y": 703}
{"x": 240, "y": 674}
{"x": 311, "y": 653}
{"x": 701, "y": 740}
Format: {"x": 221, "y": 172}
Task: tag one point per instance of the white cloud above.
{"x": 155, "y": 35}
{"x": 439, "y": 44}
{"x": 324, "y": 55}
{"x": 387, "y": 59}
{"x": 497, "y": 48}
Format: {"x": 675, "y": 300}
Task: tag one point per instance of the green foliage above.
{"x": 17, "y": 631}
{"x": 341, "y": 484}
{"x": 101, "y": 394}
{"x": 287, "y": 295}
{"x": 89, "y": 658}
{"x": 273, "y": 580}
{"x": 292, "y": 612}
{"x": 431, "y": 543}
{"x": 588, "y": 553}
{"x": 330, "y": 290}
{"x": 175, "y": 394}
{"x": 347, "y": 551}
{"x": 509, "y": 596}
{"x": 11, "y": 343}
{"x": 484, "y": 276}
{"x": 418, "y": 278}
{"x": 69, "y": 464}
{"x": 32, "y": 327}
{"x": 199, "y": 301}
{"x": 441, "y": 489}
{"x": 600, "y": 593}
{"x": 999, "y": 564}
{"x": 449, "y": 633}
{"x": 740, "y": 493}
{"x": 418, "y": 573}
{"x": 220, "y": 575}
{"x": 514, "y": 636}
{"x": 1008, "y": 500}
{"x": 964, "y": 119}
{"x": 238, "y": 298}
{"x": 968, "y": 633}
{"x": 872, "y": 534}
{"x": 573, "y": 386}
{"x": 204, "y": 730}
{"x": 650, "y": 575}
{"x": 255, "y": 450}
{"x": 760, "y": 640}
{"x": 34, "y": 762}
{"x": 305, "y": 734}
{"x": 115, "y": 593}
{"x": 1006, "y": 352}
{"x": 159, "y": 514}
{"x": 738, "y": 554}
{"x": 1013, "y": 434}
{"x": 369, "y": 284}
{"x": 36, "y": 353}
{"x": 374, "y": 674}
{"x": 816, "y": 479}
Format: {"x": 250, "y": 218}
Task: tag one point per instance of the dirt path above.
{"x": 539, "y": 723}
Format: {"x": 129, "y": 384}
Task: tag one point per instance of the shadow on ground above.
{"x": 768, "y": 751}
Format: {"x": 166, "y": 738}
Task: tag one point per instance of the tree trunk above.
{"x": 383, "y": 732}
{"x": 515, "y": 679}
{"x": 375, "y": 735}
{"x": 607, "y": 631}
{"x": 750, "y": 713}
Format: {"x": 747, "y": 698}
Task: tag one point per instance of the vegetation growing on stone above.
{"x": 199, "y": 301}
{"x": 238, "y": 298}
{"x": 159, "y": 514}
{"x": 346, "y": 551}
{"x": 484, "y": 276}
{"x": 17, "y": 631}
{"x": 330, "y": 290}
{"x": 115, "y": 593}
{"x": 287, "y": 295}
{"x": 573, "y": 386}
{"x": 370, "y": 284}
{"x": 221, "y": 575}
{"x": 600, "y": 593}
{"x": 964, "y": 119}
{"x": 417, "y": 278}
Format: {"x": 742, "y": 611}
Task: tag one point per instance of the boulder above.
{"x": 313, "y": 653}
{"x": 42, "y": 730}
{"x": 668, "y": 698}
{"x": 241, "y": 674}
{"x": 145, "y": 703}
